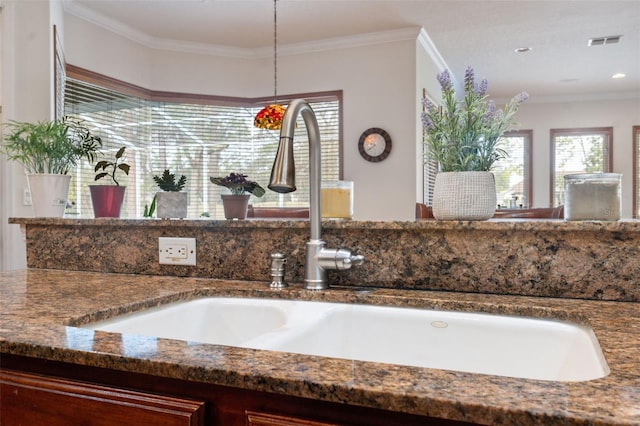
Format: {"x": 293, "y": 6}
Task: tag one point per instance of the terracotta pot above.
{"x": 107, "y": 200}
{"x": 235, "y": 206}
{"x": 464, "y": 196}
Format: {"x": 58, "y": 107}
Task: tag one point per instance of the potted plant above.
{"x": 48, "y": 150}
{"x": 236, "y": 204}
{"x": 171, "y": 203}
{"x": 462, "y": 135}
{"x": 107, "y": 199}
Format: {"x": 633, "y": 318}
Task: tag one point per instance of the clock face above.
{"x": 374, "y": 145}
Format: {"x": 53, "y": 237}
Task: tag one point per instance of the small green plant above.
{"x": 238, "y": 184}
{"x": 167, "y": 182}
{"x": 53, "y": 147}
{"x": 113, "y": 165}
{"x": 149, "y": 210}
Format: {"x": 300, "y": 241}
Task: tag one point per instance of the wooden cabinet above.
{"x": 265, "y": 419}
{"x": 58, "y": 391}
{"x": 29, "y": 399}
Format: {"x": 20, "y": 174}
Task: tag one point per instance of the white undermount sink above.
{"x": 495, "y": 344}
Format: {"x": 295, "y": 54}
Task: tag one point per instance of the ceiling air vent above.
{"x": 600, "y": 41}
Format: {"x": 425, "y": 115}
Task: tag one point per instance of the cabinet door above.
{"x": 28, "y": 399}
{"x": 264, "y": 419}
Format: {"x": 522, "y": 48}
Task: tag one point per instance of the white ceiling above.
{"x": 477, "y": 33}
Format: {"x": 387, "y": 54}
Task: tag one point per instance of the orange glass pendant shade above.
{"x": 269, "y": 117}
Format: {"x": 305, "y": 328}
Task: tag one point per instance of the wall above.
{"x": 429, "y": 64}
{"x": 371, "y": 97}
{"x": 27, "y": 85}
{"x": 621, "y": 114}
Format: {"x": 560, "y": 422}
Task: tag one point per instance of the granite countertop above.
{"x": 39, "y": 308}
{"x": 556, "y": 225}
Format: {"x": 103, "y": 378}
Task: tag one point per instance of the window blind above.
{"x": 209, "y": 137}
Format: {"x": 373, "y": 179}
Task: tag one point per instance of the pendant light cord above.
{"x": 275, "y": 51}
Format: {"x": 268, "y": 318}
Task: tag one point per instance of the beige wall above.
{"x": 27, "y": 95}
{"x": 378, "y": 83}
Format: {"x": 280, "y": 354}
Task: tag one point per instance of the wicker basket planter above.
{"x": 464, "y": 196}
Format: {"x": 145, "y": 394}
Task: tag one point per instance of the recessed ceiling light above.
{"x": 619, "y": 75}
{"x": 522, "y": 49}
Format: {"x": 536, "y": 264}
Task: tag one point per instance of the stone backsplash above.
{"x": 550, "y": 258}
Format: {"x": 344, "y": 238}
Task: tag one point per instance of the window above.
{"x": 198, "y": 136}
{"x": 578, "y": 151}
{"x": 636, "y": 171}
{"x": 512, "y": 174}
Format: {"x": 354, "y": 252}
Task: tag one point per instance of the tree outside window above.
{"x": 578, "y": 151}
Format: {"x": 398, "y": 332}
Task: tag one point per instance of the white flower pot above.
{"x": 464, "y": 196}
{"x": 49, "y": 194}
{"x": 171, "y": 205}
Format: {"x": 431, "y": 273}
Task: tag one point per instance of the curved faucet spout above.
{"x": 318, "y": 258}
{"x": 283, "y": 172}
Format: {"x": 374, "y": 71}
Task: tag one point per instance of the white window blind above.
{"x": 578, "y": 151}
{"x": 208, "y": 137}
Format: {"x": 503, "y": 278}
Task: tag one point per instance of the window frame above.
{"x": 112, "y": 84}
{"x": 527, "y": 135}
{"x": 578, "y": 131}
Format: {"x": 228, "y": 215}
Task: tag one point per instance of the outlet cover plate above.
{"x": 177, "y": 251}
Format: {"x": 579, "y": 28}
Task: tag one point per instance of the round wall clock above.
{"x": 374, "y": 145}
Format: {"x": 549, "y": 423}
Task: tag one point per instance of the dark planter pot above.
{"x": 107, "y": 200}
{"x": 235, "y": 206}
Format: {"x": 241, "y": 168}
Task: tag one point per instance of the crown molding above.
{"x": 427, "y": 44}
{"x": 114, "y": 26}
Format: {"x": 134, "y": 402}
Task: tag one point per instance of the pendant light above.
{"x": 270, "y": 117}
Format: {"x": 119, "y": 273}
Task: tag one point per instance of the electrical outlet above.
{"x": 26, "y": 197}
{"x": 177, "y": 251}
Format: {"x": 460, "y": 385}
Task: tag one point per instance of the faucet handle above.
{"x": 355, "y": 260}
{"x": 340, "y": 259}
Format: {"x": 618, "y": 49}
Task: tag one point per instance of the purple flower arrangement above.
{"x": 238, "y": 184}
{"x": 463, "y": 134}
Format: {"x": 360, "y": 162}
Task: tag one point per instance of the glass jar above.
{"x": 592, "y": 196}
{"x": 337, "y": 199}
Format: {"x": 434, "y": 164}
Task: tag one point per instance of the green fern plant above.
{"x": 167, "y": 182}
{"x": 50, "y": 146}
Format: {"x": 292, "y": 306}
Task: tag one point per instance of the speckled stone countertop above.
{"x": 39, "y": 310}
{"x": 584, "y": 260}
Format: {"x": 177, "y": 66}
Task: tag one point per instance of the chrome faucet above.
{"x": 319, "y": 258}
